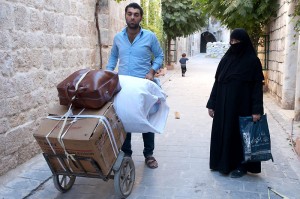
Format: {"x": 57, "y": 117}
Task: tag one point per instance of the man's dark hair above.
{"x": 135, "y": 6}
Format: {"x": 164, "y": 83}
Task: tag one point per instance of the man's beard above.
{"x": 133, "y": 26}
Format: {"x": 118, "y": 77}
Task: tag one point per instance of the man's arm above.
{"x": 158, "y": 57}
{"x": 113, "y": 58}
{"x": 158, "y": 54}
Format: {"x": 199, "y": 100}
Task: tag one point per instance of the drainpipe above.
{"x": 97, "y": 9}
{"x": 297, "y": 94}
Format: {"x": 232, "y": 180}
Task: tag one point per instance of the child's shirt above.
{"x": 183, "y": 60}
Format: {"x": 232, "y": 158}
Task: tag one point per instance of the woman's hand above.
{"x": 211, "y": 113}
{"x": 256, "y": 117}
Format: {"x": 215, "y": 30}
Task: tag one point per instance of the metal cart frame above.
{"x": 123, "y": 173}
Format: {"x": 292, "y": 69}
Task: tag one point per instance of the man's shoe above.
{"x": 151, "y": 162}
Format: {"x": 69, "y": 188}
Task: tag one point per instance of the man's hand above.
{"x": 150, "y": 75}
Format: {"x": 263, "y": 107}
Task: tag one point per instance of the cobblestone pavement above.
{"x": 182, "y": 152}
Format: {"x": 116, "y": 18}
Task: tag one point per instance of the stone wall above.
{"x": 195, "y": 43}
{"x": 41, "y": 43}
{"x": 282, "y": 55}
{"x": 276, "y": 54}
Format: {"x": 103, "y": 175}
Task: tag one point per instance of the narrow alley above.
{"x": 182, "y": 152}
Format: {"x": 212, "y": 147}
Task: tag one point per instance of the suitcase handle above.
{"x": 76, "y": 87}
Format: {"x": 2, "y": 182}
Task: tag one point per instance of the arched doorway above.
{"x": 206, "y": 37}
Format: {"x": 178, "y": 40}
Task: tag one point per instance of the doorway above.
{"x": 205, "y": 38}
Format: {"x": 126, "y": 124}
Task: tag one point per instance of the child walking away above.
{"x": 182, "y": 61}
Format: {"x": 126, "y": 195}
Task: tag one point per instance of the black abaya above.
{"x": 237, "y": 91}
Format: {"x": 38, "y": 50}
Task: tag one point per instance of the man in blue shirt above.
{"x": 140, "y": 55}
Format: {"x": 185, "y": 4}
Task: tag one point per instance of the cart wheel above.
{"x": 63, "y": 183}
{"x": 124, "y": 178}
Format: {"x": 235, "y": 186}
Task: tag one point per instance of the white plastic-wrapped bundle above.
{"x": 141, "y": 105}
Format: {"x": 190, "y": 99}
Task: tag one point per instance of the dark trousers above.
{"x": 148, "y": 139}
{"x": 183, "y": 69}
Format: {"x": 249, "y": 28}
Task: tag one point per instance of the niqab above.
{"x": 237, "y": 62}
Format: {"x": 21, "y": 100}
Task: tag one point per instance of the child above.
{"x": 182, "y": 61}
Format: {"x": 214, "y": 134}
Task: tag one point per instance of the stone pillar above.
{"x": 297, "y": 94}
{"x": 290, "y": 66}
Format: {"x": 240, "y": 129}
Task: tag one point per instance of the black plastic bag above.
{"x": 256, "y": 139}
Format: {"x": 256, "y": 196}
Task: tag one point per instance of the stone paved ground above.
{"x": 182, "y": 153}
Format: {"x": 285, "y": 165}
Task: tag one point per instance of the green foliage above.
{"x": 297, "y": 15}
{"x": 152, "y": 17}
{"x": 251, "y": 15}
{"x": 181, "y": 17}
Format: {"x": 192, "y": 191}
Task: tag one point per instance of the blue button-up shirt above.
{"x": 135, "y": 58}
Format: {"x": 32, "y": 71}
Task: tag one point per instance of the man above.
{"x": 134, "y": 47}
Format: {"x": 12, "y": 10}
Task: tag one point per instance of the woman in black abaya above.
{"x": 237, "y": 91}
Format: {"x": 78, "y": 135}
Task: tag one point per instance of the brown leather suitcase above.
{"x": 94, "y": 88}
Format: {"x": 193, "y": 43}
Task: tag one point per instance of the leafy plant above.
{"x": 152, "y": 19}
{"x": 251, "y": 15}
{"x": 181, "y": 18}
{"x": 297, "y": 15}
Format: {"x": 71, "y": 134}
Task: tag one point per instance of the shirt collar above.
{"x": 125, "y": 33}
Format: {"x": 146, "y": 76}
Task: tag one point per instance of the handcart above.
{"x": 122, "y": 172}
{"x": 86, "y": 143}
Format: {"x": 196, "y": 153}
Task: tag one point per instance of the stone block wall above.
{"x": 277, "y": 31}
{"x": 195, "y": 43}
{"x": 282, "y": 73}
{"x": 41, "y": 43}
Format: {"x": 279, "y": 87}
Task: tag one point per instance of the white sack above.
{"x": 141, "y": 105}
